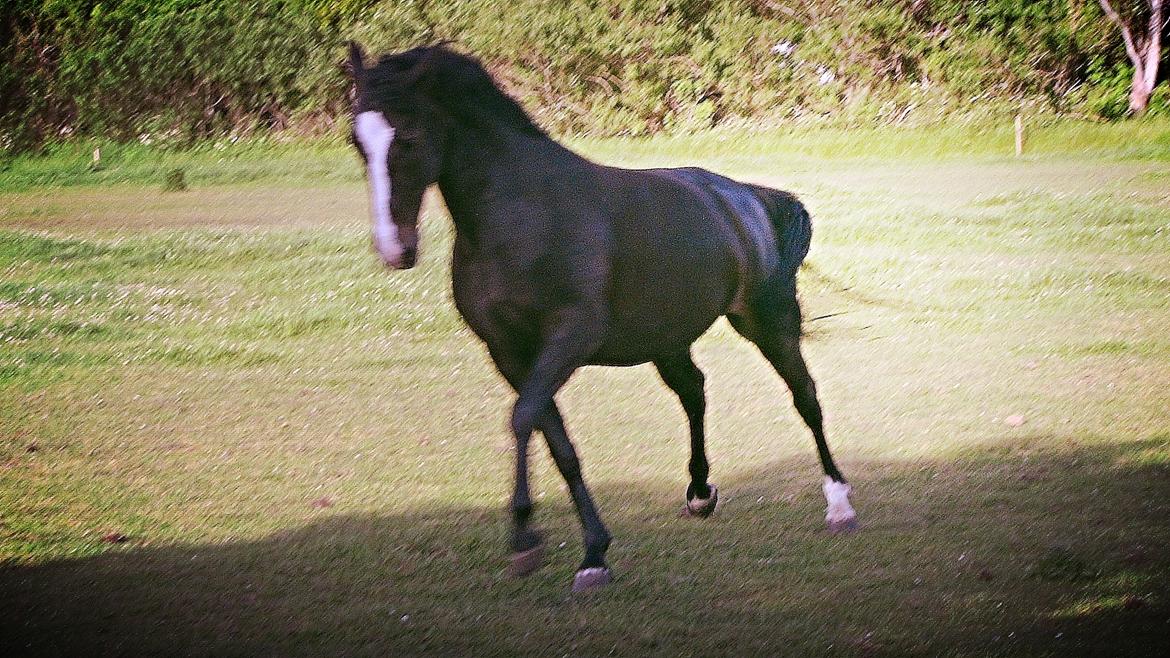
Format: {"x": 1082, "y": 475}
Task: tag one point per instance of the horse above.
{"x": 560, "y": 262}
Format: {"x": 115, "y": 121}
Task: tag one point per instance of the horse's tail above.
{"x": 793, "y": 226}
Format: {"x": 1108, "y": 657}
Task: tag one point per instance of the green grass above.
{"x": 196, "y": 370}
{"x": 217, "y": 163}
{"x": 258, "y": 161}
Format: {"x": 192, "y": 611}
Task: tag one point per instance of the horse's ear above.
{"x": 356, "y": 63}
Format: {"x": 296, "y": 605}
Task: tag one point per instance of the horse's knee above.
{"x": 523, "y": 420}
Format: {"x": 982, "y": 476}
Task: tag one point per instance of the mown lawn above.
{"x": 225, "y": 430}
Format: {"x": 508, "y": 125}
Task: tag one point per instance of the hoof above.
{"x": 843, "y": 526}
{"x": 839, "y": 514}
{"x": 702, "y": 507}
{"x": 590, "y": 579}
{"x": 525, "y": 562}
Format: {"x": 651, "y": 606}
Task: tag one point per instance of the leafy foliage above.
{"x": 181, "y": 70}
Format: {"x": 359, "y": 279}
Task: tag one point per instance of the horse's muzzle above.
{"x": 409, "y": 257}
{"x": 402, "y": 261}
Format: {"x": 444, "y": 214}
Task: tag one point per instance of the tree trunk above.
{"x": 1139, "y": 93}
{"x": 1144, "y": 50}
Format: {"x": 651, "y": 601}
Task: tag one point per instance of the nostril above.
{"x": 409, "y": 257}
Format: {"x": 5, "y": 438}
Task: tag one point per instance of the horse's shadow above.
{"x": 1007, "y": 550}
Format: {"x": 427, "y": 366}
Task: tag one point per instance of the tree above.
{"x": 1144, "y": 48}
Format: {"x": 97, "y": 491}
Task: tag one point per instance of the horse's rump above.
{"x": 772, "y": 227}
{"x": 793, "y": 226}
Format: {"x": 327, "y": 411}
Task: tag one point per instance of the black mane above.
{"x": 462, "y": 86}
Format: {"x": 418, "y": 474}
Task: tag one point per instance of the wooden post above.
{"x": 1019, "y": 135}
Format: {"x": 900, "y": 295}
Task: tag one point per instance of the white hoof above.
{"x": 703, "y": 507}
{"x": 590, "y": 579}
{"x": 840, "y": 514}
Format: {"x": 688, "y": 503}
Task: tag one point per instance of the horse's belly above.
{"x": 630, "y": 348}
{"x": 643, "y": 334}
{"x": 664, "y": 294}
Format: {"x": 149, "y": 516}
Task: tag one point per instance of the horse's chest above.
{"x": 492, "y": 299}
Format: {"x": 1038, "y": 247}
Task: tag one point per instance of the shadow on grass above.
{"x": 1030, "y": 548}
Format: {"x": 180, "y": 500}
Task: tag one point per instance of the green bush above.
{"x": 180, "y": 70}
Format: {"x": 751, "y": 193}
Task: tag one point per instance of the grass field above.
{"x": 225, "y": 430}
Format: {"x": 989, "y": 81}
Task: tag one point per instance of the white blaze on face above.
{"x": 375, "y": 135}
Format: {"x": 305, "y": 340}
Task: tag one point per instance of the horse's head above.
{"x": 397, "y": 132}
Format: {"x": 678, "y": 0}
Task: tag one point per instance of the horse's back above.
{"x": 689, "y": 246}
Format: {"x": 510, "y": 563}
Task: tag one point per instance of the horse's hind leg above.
{"x": 775, "y": 328}
{"x": 680, "y": 373}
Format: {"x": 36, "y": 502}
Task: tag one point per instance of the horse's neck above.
{"x": 479, "y": 170}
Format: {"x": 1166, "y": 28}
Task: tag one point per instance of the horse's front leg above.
{"x": 526, "y": 542}
{"x": 593, "y": 571}
{"x": 561, "y": 353}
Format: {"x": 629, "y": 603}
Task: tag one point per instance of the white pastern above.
{"x": 837, "y": 494}
{"x": 375, "y": 135}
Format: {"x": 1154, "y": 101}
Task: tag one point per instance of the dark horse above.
{"x": 560, "y": 263}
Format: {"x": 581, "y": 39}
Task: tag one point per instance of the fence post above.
{"x": 1019, "y": 135}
